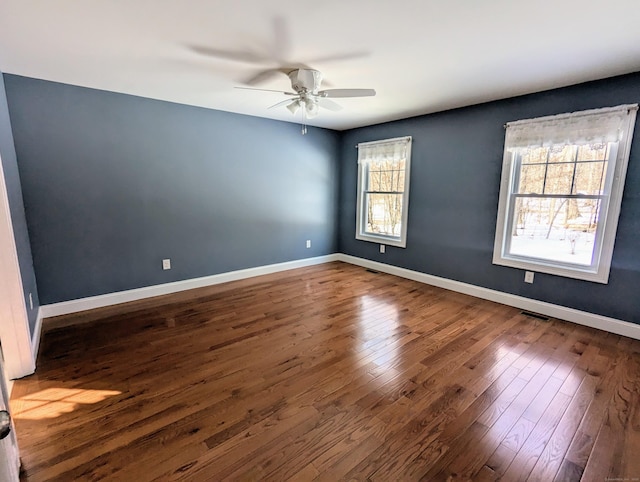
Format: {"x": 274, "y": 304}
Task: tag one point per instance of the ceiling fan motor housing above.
{"x": 305, "y": 80}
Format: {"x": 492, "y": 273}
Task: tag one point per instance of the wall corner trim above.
{"x": 89, "y": 303}
{"x": 35, "y": 336}
{"x": 619, "y": 327}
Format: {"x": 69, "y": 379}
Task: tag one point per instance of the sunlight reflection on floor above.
{"x": 53, "y": 402}
{"x": 378, "y": 320}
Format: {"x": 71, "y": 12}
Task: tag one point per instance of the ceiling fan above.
{"x": 307, "y": 95}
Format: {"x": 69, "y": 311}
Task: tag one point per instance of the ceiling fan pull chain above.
{"x": 304, "y": 119}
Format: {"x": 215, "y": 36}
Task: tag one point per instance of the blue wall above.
{"x": 114, "y": 183}
{"x": 16, "y": 206}
{"x": 455, "y": 180}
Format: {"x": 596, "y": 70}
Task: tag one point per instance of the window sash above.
{"x": 366, "y": 220}
{"x": 600, "y": 226}
{"x": 549, "y": 168}
{"x": 595, "y": 252}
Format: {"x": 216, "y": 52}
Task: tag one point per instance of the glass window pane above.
{"x": 562, "y": 153}
{"x": 589, "y": 178}
{"x": 531, "y": 179}
{"x": 592, "y": 152}
{"x": 385, "y": 180}
{"x": 386, "y": 176}
{"x": 390, "y": 178}
{"x": 374, "y": 179}
{"x": 559, "y": 178}
{"x": 534, "y": 155}
{"x": 383, "y": 214}
{"x": 559, "y": 229}
{"x": 400, "y": 184}
{"x": 604, "y": 176}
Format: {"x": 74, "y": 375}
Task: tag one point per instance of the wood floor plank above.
{"x": 329, "y": 372}
{"x": 617, "y": 455}
{"x": 553, "y": 454}
{"x": 500, "y": 421}
{"x": 500, "y": 460}
{"x": 527, "y": 456}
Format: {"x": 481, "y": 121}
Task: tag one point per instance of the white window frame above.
{"x": 540, "y": 132}
{"x": 363, "y": 163}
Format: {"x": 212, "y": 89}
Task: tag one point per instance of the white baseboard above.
{"x": 619, "y": 327}
{"x": 612, "y": 325}
{"x": 74, "y": 306}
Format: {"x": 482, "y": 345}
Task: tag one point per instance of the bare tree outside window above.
{"x": 558, "y": 196}
{"x": 384, "y": 197}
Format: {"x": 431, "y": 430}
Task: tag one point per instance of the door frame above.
{"x": 9, "y": 452}
{"x": 15, "y": 337}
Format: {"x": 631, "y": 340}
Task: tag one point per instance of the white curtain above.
{"x": 586, "y": 127}
{"x": 387, "y": 150}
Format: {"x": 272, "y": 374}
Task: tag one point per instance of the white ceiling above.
{"x": 420, "y": 55}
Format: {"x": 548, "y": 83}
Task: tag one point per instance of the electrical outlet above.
{"x": 166, "y": 264}
{"x": 30, "y": 301}
{"x": 528, "y": 276}
{"x": 382, "y": 248}
{"x": 308, "y": 243}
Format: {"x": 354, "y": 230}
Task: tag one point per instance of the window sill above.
{"x": 380, "y": 239}
{"x": 584, "y": 274}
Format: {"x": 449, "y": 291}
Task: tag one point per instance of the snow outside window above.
{"x": 561, "y": 192}
{"x": 383, "y": 191}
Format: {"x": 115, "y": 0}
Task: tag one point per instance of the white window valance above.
{"x": 586, "y": 127}
{"x": 387, "y": 150}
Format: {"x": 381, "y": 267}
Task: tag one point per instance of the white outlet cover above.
{"x": 528, "y": 276}
{"x": 382, "y": 248}
{"x": 166, "y": 264}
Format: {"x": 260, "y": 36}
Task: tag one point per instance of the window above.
{"x": 561, "y": 192}
{"x": 383, "y": 191}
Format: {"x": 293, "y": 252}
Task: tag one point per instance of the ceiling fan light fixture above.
{"x": 306, "y": 95}
{"x": 311, "y": 107}
{"x": 294, "y": 106}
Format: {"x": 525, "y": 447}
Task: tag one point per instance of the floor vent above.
{"x": 535, "y": 315}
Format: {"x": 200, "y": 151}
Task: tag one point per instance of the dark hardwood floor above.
{"x": 329, "y": 372}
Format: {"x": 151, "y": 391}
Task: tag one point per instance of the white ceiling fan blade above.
{"x": 235, "y": 55}
{"x": 347, "y": 93}
{"x": 284, "y": 102}
{"x": 339, "y": 57}
{"x": 266, "y": 90}
{"x": 329, "y": 104}
{"x": 262, "y": 76}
